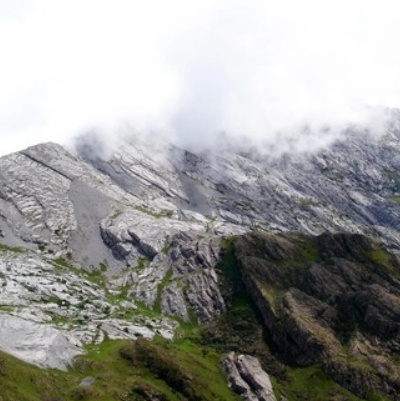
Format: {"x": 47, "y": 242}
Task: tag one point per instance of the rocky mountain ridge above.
{"x": 128, "y": 245}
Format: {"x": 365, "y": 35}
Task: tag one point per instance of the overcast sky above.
{"x": 190, "y": 69}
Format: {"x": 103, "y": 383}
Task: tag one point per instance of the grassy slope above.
{"x": 119, "y": 377}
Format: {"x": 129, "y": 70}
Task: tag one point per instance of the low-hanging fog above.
{"x": 288, "y": 74}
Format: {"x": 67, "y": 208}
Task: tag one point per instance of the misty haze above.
{"x": 255, "y": 70}
{"x": 199, "y": 201}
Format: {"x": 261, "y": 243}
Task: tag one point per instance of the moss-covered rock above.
{"x": 319, "y": 296}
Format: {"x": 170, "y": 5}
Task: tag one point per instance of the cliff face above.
{"x": 332, "y": 300}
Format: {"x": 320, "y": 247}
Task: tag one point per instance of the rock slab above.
{"x": 247, "y": 378}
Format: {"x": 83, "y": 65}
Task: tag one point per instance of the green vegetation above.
{"x": 381, "y": 256}
{"x": 386, "y": 261}
{"x": 241, "y": 329}
{"x": 4, "y": 247}
{"x": 123, "y": 370}
{"x": 309, "y": 252}
{"x": 97, "y": 276}
{"x": 143, "y": 262}
{"x": 186, "y": 370}
{"x": 116, "y": 214}
{"x": 171, "y": 371}
{"x": 189, "y": 368}
{"x": 58, "y": 320}
{"x": 166, "y": 249}
{"x": 20, "y": 381}
{"x": 163, "y": 213}
{"x": 7, "y": 308}
{"x": 230, "y": 268}
{"x": 62, "y": 262}
{"x": 311, "y": 384}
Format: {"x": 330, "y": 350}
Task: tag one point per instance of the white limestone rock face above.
{"x": 152, "y": 170}
{"x": 35, "y": 198}
{"x": 43, "y": 191}
{"x": 204, "y": 296}
{"x": 135, "y": 233}
{"x": 228, "y": 190}
{"x": 39, "y": 344}
{"x": 71, "y": 166}
{"x": 65, "y": 308}
{"x": 181, "y": 278}
{"x": 172, "y": 259}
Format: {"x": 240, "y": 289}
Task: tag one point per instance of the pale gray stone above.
{"x": 247, "y": 378}
{"x": 39, "y": 344}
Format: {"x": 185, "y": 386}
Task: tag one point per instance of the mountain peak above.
{"x": 95, "y": 245}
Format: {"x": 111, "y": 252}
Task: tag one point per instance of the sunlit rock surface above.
{"x": 39, "y": 344}
{"x": 121, "y": 237}
{"x": 46, "y": 305}
{"x": 247, "y": 378}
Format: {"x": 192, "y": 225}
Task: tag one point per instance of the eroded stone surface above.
{"x": 153, "y": 215}
{"x": 64, "y": 307}
{"x": 39, "y": 344}
{"x": 247, "y": 378}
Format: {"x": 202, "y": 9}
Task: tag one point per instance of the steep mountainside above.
{"x": 331, "y": 300}
{"x": 137, "y": 241}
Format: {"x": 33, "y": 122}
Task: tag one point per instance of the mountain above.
{"x": 284, "y": 267}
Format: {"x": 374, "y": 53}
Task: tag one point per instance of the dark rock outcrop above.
{"x": 332, "y": 300}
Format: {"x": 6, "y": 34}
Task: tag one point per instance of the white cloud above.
{"x": 193, "y": 68}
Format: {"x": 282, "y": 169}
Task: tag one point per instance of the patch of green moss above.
{"x": 143, "y": 262}
{"x": 115, "y": 297}
{"x": 62, "y": 262}
{"x": 4, "y": 247}
{"x": 308, "y": 250}
{"x": 395, "y": 199}
{"x": 58, "y": 320}
{"x": 385, "y": 260}
{"x": 166, "y": 249}
{"x": 96, "y": 276}
{"x": 7, "y": 308}
{"x": 163, "y": 213}
{"x": 116, "y": 214}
